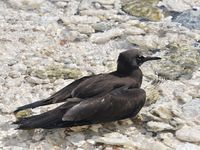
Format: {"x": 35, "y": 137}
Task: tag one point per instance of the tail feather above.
{"x": 48, "y": 120}
{"x": 34, "y": 105}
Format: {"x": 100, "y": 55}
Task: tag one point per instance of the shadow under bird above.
{"x": 94, "y": 99}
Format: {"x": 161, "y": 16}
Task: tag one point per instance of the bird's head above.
{"x": 132, "y": 59}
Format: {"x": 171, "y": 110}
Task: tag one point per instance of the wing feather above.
{"x": 118, "y": 104}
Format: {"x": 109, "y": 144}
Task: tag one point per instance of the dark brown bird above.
{"x": 94, "y": 99}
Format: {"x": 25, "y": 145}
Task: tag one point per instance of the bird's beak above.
{"x": 150, "y": 58}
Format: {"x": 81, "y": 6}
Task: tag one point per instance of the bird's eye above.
{"x": 139, "y": 58}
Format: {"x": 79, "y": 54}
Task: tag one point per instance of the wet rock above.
{"x": 68, "y": 36}
{"x": 35, "y": 80}
{"x": 182, "y": 66}
{"x": 189, "y": 134}
{"x": 38, "y": 135}
{"x": 187, "y": 146}
{"x": 14, "y": 74}
{"x": 179, "y": 6}
{"x": 55, "y": 72}
{"x": 101, "y": 38}
{"x": 149, "y": 41}
{"x": 41, "y": 145}
{"x": 85, "y": 29}
{"x": 189, "y": 19}
{"x": 26, "y": 4}
{"x": 2, "y": 81}
{"x": 158, "y": 126}
{"x": 181, "y": 96}
{"x": 77, "y": 139}
{"x": 103, "y": 14}
{"x": 169, "y": 140}
{"x": 162, "y": 111}
{"x": 102, "y": 26}
{"x": 71, "y": 7}
{"x": 191, "y": 110}
{"x": 153, "y": 95}
{"x": 85, "y": 4}
{"x": 143, "y": 9}
{"x": 114, "y": 139}
{"x": 80, "y": 20}
{"x": 134, "y": 31}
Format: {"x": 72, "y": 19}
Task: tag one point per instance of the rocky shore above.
{"x": 46, "y": 44}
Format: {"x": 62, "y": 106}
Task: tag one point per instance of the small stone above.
{"x": 150, "y": 41}
{"x": 144, "y": 9}
{"x": 77, "y": 139}
{"x": 97, "y": 5}
{"x": 179, "y": 6}
{"x": 86, "y": 4}
{"x": 114, "y": 139}
{"x": 80, "y": 20}
{"x": 61, "y": 4}
{"x": 102, "y": 26}
{"x": 85, "y": 29}
{"x": 19, "y": 67}
{"x": 162, "y": 111}
{"x": 38, "y": 135}
{"x": 169, "y": 139}
{"x": 189, "y": 18}
{"x": 187, "y": 146}
{"x": 191, "y": 110}
{"x": 100, "y": 13}
{"x": 71, "y": 8}
{"x": 153, "y": 95}
{"x": 133, "y": 31}
{"x": 189, "y": 134}
{"x": 35, "y": 80}
{"x": 182, "y": 96}
{"x": 158, "y": 126}
{"x": 14, "y": 74}
{"x": 69, "y": 36}
{"x": 106, "y": 36}
{"x": 2, "y": 80}
{"x": 26, "y": 4}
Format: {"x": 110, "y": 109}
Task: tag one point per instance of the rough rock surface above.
{"x": 46, "y": 44}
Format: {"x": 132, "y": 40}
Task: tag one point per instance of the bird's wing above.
{"x": 59, "y": 96}
{"x": 65, "y": 93}
{"x": 98, "y": 86}
{"x": 119, "y": 104}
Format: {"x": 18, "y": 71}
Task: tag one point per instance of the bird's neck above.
{"x": 134, "y": 73}
{"x": 125, "y": 69}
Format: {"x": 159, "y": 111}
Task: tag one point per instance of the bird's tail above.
{"x": 34, "y": 105}
{"x": 48, "y": 120}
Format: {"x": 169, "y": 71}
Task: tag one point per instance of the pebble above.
{"x": 158, "y": 126}
{"x": 77, "y": 139}
{"x": 80, "y": 20}
{"x": 35, "y": 80}
{"x": 86, "y": 4}
{"x": 189, "y": 134}
{"x": 187, "y": 146}
{"x": 189, "y": 18}
{"x": 85, "y": 29}
{"x": 191, "y": 110}
{"x": 102, "y": 26}
{"x": 149, "y": 41}
{"x": 162, "y": 111}
{"x": 134, "y": 31}
{"x": 179, "y": 6}
{"x": 101, "y": 38}
{"x": 26, "y": 4}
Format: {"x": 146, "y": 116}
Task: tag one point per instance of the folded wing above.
{"x": 119, "y": 104}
